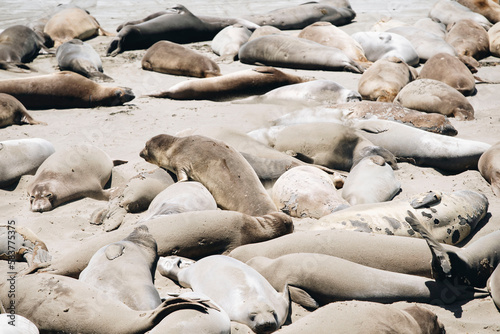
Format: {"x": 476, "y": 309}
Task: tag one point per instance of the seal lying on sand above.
{"x": 18, "y": 45}
{"x": 13, "y": 112}
{"x": 489, "y": 167}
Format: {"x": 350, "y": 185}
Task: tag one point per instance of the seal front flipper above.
{"x": 428, "y": 199}
{"x": 301, "y": 297}
{"x": 114, "y": 250}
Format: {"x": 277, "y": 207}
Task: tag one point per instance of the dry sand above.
{"x": 122, "y": 131}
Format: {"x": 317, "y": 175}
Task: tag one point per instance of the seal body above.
{"x": 240, "y": 290}
{"x": 219, "y": 167}
{"x": 469, "y": 39}
{"x": 133, "y": 260}
{"x": 172, "y": 58}
{"x": 75, "y": 172}
{"x": 494, "y": 39}
{"x": 489, "y": 9}
{"x": 64, "y": 90}
{"x": 18, "y": 44}
{"x": 19, "y": 157}
{"x": 13, "y": 112}
{"x": 294, "y": 52}
{"x": 228, "y": 41}
{"x": 447, "y": 12}
{"x": 489, "y": 167}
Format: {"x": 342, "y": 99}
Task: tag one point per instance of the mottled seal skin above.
{"x": 423, "y": 148}
{"x": 18, "y": 45}
{"x": 298, "y": 17}
{"x": 306, "y": 191}
{"x": 494, "y": 38}
{"x": 190, "y": 234}
{"x": 19, "y": 157}
{"x": 219, "y": 167}
{"x": 431, "y": 95}
{"x": 80, "y": 57}
{"x": 70, "y": 23}
{"x": 371, "y": 180}
{"x": 450, "y": 70}
{"x": 177, "y": 25}
{"x": 66, "y": 305}
{"x": 172, "y": 58}
{"x": 469, "y": 39}
{"x": 231, "y": 86}
{"x": 13, "y": 112}
{"x": 489, "y": 167}
{"x": 69, "y": 174}
{"x": 228, "y": 41}
{"x": 134, "y": 261}
{"x": 487, "y": 8}
{"x": 450, "y": 217}
{"x": 293, "y": 52}
{"x": 378, "y": 45}
{"x": 63, "y": 90}
{"x": 447, "y": 12}
{"x": 384, "y": 79}
{"x": 240, "y": 290}
{"x": 367, "y": 317}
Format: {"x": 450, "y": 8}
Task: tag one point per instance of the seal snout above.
{"x": 265, "y": 325}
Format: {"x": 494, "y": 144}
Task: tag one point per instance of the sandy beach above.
{"x": 123, "y": 130}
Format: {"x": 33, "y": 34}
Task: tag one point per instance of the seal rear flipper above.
{"x": 301, "y": 297}
{"x": 113, "y": 251}
{"x": 428, "y": 199}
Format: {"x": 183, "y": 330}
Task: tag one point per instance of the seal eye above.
{"x": 252, "y": 316}
{"x": 49, "y": 195}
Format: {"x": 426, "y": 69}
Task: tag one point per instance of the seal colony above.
{"x": 108, "y": 224}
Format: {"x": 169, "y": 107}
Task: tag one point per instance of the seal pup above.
{"x": 385, "y": 78}
{"x": 306, "y": 192}
{"x": 80, "y": 57}
{"x": 19, "y": 157}
{"x": 489, "y": 167}
{"x": 431, "y": 95}
{"x": 180, "y": 197}
{"x": 228, "y": 41}
{"x": 13, "y": 112}
{"x": 16, "y": 324}
{"x": 134, "y": 261}
{"x": 450, "y": 70}
{"x": 231, "y": 86}
{"x": 240, "y": 290}
{"x": 450, "y": 217}
{"x": 69, "y": 174}
{"x": 70, "y": 23}
{"x": 367, "y": 317}
{"x": 172, "y": 58}
{"x": 218, "y": 166}
{"x": 469, "y": 39}
{"x": 447, "y": 12}
{"x": 66, "y": 305}
{"x": 293, "y": 52}
{"x": 423, "y": 148}
{"x": 63, "y": 90}
{"x": 371, "y": 180}
{"x": 19, "y": 45}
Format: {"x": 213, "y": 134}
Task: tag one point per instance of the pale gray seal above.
{"x": 226, "y": 44}
{"x": 447, "y": 12}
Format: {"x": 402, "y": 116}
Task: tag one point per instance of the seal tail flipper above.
{"x": 301, "y": 297}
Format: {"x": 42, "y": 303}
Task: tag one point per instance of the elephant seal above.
{"x": 429, "y": 25}
{"x": 231, "y": 86}
{"x": 423, "y": 148}
{"x": 435, "y": 96}
{"x": 180, "y": 197}
{"x": 80, "y": 57}
{"x": 18, "y": 45}
{"x": 494, "y": 38}
{"x": 228, "y": 41}
{"x": 378, "y": 45}
{"x": 264, "y": 31}
{"x": 63, "y": 90}
{"x": 327, "y": 34}
{"x": 69, "y": 174}
{"x": 450, "y": 70}
{"x": 177, "y": 25}
{"x": 134, "y": 261}
{"x": 489, "y": 9}
{"x": 19, "y": 157}
{"x": 219, "y": 167}
{"x": 13, "y": 112}
{"x": 306, "y": 192}
{"x": 385, "y": 78}
{"x": 315, "y": 92}
{"x": 317, "y": 279}
{"x": 172, "y": 58}
{"x": 327, "y": 144}
{"x": 371, "y": 180}
{"x": 489, "y": 167}
{"x": 450, "y": 217}
{"x": 298, "y": 17}
{"x": 66, "y": 305}
{"x": 70, "y": 23}
{"x": 469, "y": 39}
{"x": 240, "y": 290}
{"x": 367, "y": 317}
{"x": 16, "y": 324}
{"x": 293, "y": 52}
{"x": 494, "y": 286}
{"x": 193, "y": 234}
{"x": 447, "y": 12}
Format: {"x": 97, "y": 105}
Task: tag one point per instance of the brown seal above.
{"x": 64, "y": 90}
{"x": 13, "y": 112}
{"x": 487, "y": 8}
{"x": 489, "y": 167}
{"x": 218, "y": 166}
{"x": 172, "y": 58}
{"x": 469, "y": 39}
